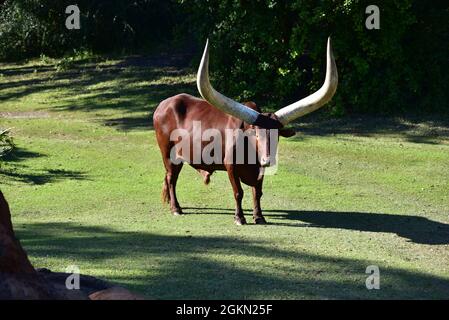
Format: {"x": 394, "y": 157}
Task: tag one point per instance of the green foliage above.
{"x": 274, "y": 52}
{"x": 6, "y": 143}
{"x": 29, "y": 28}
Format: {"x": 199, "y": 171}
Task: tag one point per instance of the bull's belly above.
{"x": 208, "y": 167}
{"x": 249, "y": 174}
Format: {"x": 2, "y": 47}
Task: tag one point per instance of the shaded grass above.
{"x": 84, "y": 188}
{"x": 191, "y": 266}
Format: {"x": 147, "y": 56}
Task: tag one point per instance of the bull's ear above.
{"x": 287, "y": 132}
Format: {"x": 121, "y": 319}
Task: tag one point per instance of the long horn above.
{"x": 317, "y": 99}
{"x": 225, "y": 104}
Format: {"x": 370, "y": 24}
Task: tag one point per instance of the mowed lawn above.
{"x": 84, "y": 189}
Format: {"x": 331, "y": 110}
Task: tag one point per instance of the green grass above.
{"x": 84, "y": 188}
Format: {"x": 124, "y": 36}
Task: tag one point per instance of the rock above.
{"x": 88, "y": 284}
{"x": 115, "y": 293}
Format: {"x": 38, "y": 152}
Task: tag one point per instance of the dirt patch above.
{"x": 24, "y": 115}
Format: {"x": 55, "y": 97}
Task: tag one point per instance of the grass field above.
{"x": 84, "y": 188}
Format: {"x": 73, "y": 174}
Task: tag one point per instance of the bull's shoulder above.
{"x": 181, "y": 102}
{"x": 183, "y": 98}
{"x": 177, "y": 107}
{"x": 179, "y": 99}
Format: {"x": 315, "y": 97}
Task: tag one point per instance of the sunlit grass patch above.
{"x": 84, "y": 187}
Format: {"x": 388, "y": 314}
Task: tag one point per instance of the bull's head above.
{"x": 276, "y": 120}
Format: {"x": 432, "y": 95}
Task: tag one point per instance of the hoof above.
{"x": 260, "y": 220}
{"x": 240, "y": 221}
{"x": 177, "y": 213}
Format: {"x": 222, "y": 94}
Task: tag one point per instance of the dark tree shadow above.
{"x": 155, "y": 94}
{"x": 131, "y": 123}
{"x": 417, "y": 229}
{"x": 21, "y": 70}
{"x": 20, "y": 172}
{"x": 125, "y": 96}
{"x": 429, "y": 129}
{"x": 20, "y": 154}
{"x": 178, "y": 60}
{"x": 183, "y": 267}
{"x": 43, "y": 176}
{"x": 133, "y": 100}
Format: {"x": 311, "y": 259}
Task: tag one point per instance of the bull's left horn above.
{"x": 317, "y": 99}
{"x": 218, "y": 100}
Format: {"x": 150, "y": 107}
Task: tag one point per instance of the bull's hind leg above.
{"x": 171, "y": 177}
{"x": 239, "y": 218}
{"x": 257, "y": 194}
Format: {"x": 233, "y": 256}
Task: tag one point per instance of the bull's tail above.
{"x": 165, "y": 194}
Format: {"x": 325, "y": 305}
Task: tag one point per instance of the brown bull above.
{"x": 217, "y": 112}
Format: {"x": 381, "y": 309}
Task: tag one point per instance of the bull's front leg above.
{"x": 257, "y": 194}
{"x": 239, "y": 218}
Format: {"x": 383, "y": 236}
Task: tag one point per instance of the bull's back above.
{"x": 180, "y": 111}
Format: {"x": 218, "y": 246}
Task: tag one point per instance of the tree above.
{"x": 273, "y": 52}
